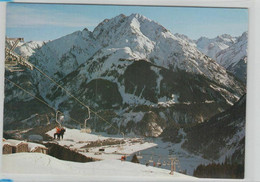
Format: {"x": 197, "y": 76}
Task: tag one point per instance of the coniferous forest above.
{"x": 223, "y": 170}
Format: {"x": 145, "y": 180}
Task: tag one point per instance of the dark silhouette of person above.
{"x": 59, "y": 133}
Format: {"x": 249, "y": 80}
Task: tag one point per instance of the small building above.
{"x": 7, "y": 147}
{"x": 34, "y": 147}
{"x": 18, "y": 146}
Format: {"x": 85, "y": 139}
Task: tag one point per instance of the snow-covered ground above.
{"x": 76, "y": 140}
{"x": 155, "y": 148}
{"x": 37, "y": 163}
{"x": 42, "y": 164}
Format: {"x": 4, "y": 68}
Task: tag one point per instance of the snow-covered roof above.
{"x": 14, "y": 142}
{"x": 6, "y": 143}
{"x": 32, "y": 146}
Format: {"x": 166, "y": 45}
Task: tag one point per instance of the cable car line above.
{"x": 40, "y": 100}
{"x": 87, "y": 107}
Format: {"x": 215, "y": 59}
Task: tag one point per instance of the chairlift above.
{"x": 159, "y": 164}
{"x": 10, "y": 63}
{"x": 86, "y": 129}
{"x": 14, "y": 70}
{"x": 12, "y": 58}
{"x": 61, "y": 118}
{"x": 120, "y": 145}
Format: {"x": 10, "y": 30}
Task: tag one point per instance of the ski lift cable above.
{"x": 40, "y": 100}
{"x": 74, "y": 96}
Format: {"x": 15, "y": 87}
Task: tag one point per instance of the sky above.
{"x": 51, "y": 21}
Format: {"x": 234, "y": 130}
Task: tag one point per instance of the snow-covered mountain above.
{"x": 136, "y": 37}
{"x": 234, "y": 58}
{"x": 28, "y": 48}
{"x": 186, "y": 38}
{"x": 61, "y": 56}
{"x": 131, "y": 37}
{"x": 25, "y": 49}
{"x": 228, "y": 51}
{"x": 211, "y": 47}
{"x": 135, "y": 73}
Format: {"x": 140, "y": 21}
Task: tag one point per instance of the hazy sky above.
{"x": 51, "y": 21}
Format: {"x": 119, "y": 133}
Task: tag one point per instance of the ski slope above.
{"x": 37, "y": 163}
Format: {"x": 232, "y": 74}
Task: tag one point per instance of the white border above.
{"x": 252, "y": 164}
{"x": 205, "y": 3}
{"x": 2, "y": 58}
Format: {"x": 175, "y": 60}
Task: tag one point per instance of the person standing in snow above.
{"x": 58, "y": 131}
{"x": 62, "y": 131}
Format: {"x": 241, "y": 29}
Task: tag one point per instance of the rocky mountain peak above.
{"x": 243, "y": 37}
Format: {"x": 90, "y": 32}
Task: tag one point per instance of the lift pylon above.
{"x": 12, "y": 59}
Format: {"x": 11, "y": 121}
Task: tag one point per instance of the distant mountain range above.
{"x": 228, "y": 51}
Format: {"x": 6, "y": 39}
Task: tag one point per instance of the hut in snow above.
{"x": 34, "y": 147}
{"x": 18, "y": 146}
{"x": 7, "y": 147}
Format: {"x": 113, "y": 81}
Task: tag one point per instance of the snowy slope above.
{"x": 234, "y": 53}
{"x": 36, "y": 163}
{"x": 65, "y": 54}
{"x": 186, "y": 38}
{"x": 76, "y": 136}
{"x": 76, "y": 140}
